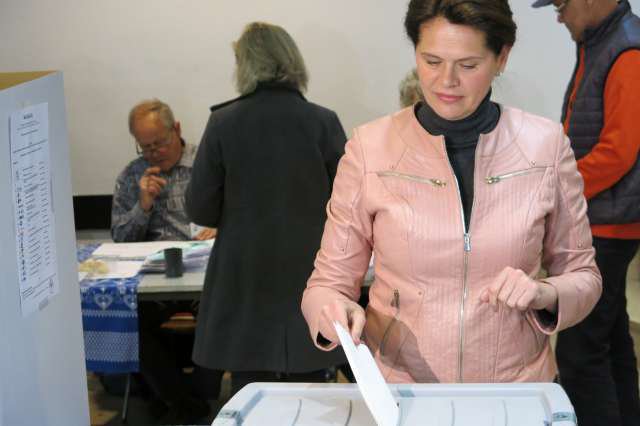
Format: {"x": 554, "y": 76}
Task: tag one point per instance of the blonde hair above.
{"x": 143, "y": 108}
{"x": 267, "y": 53}
{"x": 410, "y": 90}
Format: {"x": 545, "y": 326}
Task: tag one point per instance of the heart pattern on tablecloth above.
{"x": 103, "y": 300}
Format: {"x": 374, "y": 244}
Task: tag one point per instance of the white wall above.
{"x": 114, "y": 53}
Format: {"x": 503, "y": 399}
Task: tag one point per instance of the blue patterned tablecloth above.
{"x": 109, "y": 320}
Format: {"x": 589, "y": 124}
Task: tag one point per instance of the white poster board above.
{"x": 42, "y": 368}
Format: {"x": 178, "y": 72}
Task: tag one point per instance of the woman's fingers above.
{"x": 334, "y": 312}
{"x": 527, "y": 298}
{"x": 508, "y": 291}
{"x": 346, "y": 313}
{"x": 326, "y": 329}
{"x": 357, "y": 324}
{"x": 516, "y": 290}
{"x": 512, "y": 288}
{"x": 496, "y": 286}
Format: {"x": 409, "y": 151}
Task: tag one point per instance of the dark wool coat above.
{"x": 263, "y": 175}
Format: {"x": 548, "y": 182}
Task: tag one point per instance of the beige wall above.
{"x": 115, "y": 52}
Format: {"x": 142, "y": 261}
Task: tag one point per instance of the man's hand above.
{"x": 516, "y": 289}
{"x": 347, "y": 313}
{"x": 206, "y": 234}
{"x": 150, "y": 186}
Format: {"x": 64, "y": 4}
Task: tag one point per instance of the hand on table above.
{"x": 517, "y": 290}
{"x": 150, "y": 187}
{"x": 206, "y": 234}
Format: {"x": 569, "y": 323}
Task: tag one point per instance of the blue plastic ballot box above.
{"x": 513, "y": 404}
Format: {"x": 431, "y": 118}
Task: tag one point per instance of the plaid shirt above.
{"x": 167, "y": 220}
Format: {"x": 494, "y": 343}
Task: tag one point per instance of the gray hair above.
{"x": 149, "y": 106}
{"x": 267, "y": 53}
{"x": 410, "y": 90}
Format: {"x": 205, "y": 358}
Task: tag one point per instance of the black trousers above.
{"x": 598, "y": 367}
{"x": 161, "y": 359}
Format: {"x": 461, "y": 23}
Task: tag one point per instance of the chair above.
{"x": 181, "y": 323}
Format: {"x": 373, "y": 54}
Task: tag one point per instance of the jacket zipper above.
{"x": 434, "y": 182}
{"x": 495, "y": 179}
{"x": 466, "y": 236}
{"x": 395, "y": 302}
{"x": 465, "y": 263}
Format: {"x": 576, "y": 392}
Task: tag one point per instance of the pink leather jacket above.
{"x": 395, "y": 194}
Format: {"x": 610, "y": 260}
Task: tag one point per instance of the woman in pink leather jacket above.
{"x": 463, "y": 202}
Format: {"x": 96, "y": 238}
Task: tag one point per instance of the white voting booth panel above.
{"x": 42, "y": 366}
{"x": 514, "y": 404}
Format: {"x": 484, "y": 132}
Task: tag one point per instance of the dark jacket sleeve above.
{"x": 335, "y": 146}
{"x": 205, "y": 192}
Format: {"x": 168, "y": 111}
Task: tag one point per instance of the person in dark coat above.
{"x": 263, "y": 175}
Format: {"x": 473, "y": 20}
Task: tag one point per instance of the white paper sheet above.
{"x": 33, "y": 207}
{"x": 135, "y": 250}
{"x": 374, "y": 389}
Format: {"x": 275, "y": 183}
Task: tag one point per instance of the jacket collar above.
{"x": 188, "y": 155}
{"x": 422, "y": 142}
{"x": 594, "y": 35}
{"x": 274, "y": 85}
{"x": 262, "y": 87}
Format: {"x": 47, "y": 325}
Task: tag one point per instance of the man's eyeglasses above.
{"x": 559, "y": 8}
{"x": 153, "y": 147}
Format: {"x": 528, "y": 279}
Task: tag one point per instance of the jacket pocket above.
{"x": 533, "y": 341}
{"x": 519, "y": 345}
{"x": 414, "y": 178}
{"x": 388, "y": 332}
{"x": 390, "y": 327}
{"x": 490, "y": 180}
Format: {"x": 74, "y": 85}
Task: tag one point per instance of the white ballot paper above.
{"x": 33, "y": 206}
{"x": 374, "y": 389}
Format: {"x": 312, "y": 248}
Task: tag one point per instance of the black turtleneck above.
{"x": 461, "y": 138}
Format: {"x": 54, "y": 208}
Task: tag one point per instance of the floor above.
{"x": 105, "y": 409}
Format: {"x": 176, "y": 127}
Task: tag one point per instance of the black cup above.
{"x": 173, "y": 260}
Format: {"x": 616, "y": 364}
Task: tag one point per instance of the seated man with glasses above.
{"x": 148, "y": 205}
{"x": 148, "y": 201}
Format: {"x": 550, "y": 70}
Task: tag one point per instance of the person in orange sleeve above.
{"x": 596, "y": 359}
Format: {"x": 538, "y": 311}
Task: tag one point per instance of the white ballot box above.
{"x": 520, "y": 404}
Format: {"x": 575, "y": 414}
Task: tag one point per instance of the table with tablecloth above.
{"x": 110, "y": 314}
{"x": 109, "y": 320}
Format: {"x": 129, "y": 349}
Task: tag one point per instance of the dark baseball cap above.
{"x": 542, "y": 3}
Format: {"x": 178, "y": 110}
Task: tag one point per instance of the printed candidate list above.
{"x": 33, "y": 208}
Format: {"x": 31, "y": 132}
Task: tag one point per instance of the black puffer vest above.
{"x": 619, "y": 32}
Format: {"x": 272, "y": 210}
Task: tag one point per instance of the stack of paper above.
{"x": 136, "y": 251}
{"x": 124, "y": 260}
{"x": 195, "y": 255}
